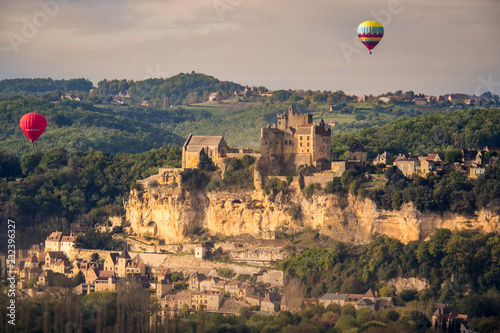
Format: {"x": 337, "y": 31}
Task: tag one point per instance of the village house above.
{"x": 382, "y": 158}
{"x": 53, "y": 242}
{"x": 163, "y": 287}
{"x": 212, "y": 97}
{"x": 209, "y": 283}
{"x": 210, "y": 299}
{"x": 337, "y": 298}
{"x": 409, "y": 166}
{"x": 195, "y": 280}
{"x": 105, "y": 284}
{"x": 365, "y": 303}
{"x": 253, "y": 300}
{"x": 232, "y": 287}
{"x": 58, "y": 242}
{"x": 420, "y": 101}
{"x": 199, "y": 251}
{"x": 271, "y": 303}
{"x": 111, "y": 262}
{"x": 446, "y": 314}
{"x": 51, "y": 257}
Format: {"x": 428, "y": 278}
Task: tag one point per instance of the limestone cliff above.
{"x": 173, "y": 214}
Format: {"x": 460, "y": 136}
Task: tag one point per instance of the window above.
{"x": 308, "y": 150}
{"x": 301, "y": 144}
{"x": 308, "y": 144}
{"x": 308, "y": 138}
{"x": 301, "y": 138}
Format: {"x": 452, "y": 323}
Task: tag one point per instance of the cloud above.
{"x": 429, "y": 46}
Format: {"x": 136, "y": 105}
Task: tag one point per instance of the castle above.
{"x": 295, "y": 140}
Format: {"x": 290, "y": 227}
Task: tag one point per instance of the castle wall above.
{"x": 294, "y": 161}
{"x": 320, "y": 178}
{"x": 338, "y": 166}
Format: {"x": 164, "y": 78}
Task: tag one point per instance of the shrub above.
{"x": 294, "y": 211}
{"x": 311, "y": 188}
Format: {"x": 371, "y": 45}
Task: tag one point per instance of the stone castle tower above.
{"x": 295, "y": 140}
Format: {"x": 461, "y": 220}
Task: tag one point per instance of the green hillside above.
{"x": 436, "y": 132}
{"x": 83, "y": 126}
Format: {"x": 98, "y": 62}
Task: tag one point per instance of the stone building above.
{"x": 295, "y": 140}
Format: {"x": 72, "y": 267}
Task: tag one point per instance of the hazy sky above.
{"x": 430, "y": 46}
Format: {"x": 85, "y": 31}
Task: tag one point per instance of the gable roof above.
{"x": 205, "y": 140}
{"x": 113, "y": 256}
{"x": 55, "y": 236}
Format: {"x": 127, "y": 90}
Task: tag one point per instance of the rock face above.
{"x": 173, "y": 214}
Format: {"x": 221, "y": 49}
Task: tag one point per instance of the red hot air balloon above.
{"x": 33, "y": 124}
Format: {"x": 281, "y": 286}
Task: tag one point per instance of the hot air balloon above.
{"x": 370, "y": 33}
{"x": 33, "y": 124}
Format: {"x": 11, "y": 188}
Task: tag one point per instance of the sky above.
{"x": 430, "y": 46}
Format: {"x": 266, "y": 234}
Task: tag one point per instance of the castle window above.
{"x": 301, "y": 137}
{"x": 308, "y": 144}
{"x": 308, "y": 150}
{"x": 301, "y": 144}
{"x": 307, "y": 138}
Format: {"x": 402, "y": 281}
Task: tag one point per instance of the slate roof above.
{"x": 202, "y": 140}
{"x": 124, "y": 254}
{"x": 337, "y": 297}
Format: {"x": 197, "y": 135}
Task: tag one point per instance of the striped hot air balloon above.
{"x": 370, "y": 33}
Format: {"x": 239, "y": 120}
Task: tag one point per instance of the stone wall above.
{"x": 320, "y": 178}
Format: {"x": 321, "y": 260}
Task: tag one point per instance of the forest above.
{"x": 184, "y": 87}
{"x": 42, "y": 87}
{"x": 435, "y": 132}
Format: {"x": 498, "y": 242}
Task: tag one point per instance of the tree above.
{"x": 294, "y": 292}
{"x": 351, "y": 285}
{"x": 452, "y": 156}
{"x": 184, "y": 310}
{"x": 95, "y": 257}
{"x": 29, "y": 162}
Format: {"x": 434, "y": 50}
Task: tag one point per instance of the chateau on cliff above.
{"x": 295, "y": 140}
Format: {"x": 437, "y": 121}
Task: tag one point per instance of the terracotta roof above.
{"x": 56, "y": 254}
{"x": 55, "y": 236}
{"x": 272, "y": 297}
{"x": 303, "y": 130}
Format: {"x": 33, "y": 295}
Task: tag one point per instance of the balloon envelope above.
{"x": 33, "y": 124}
{"x": 370, "y": 33}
